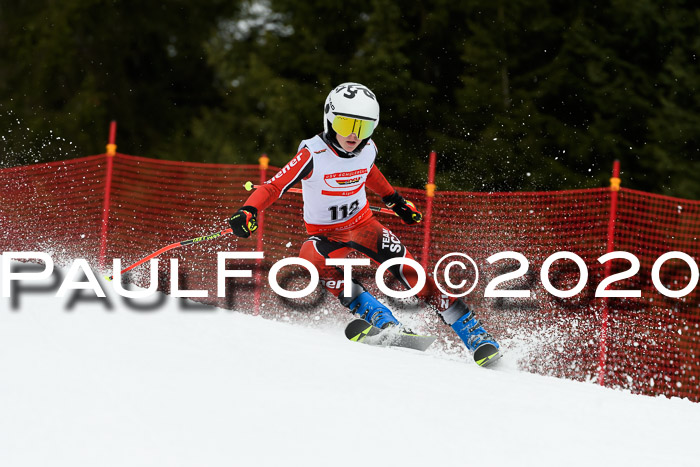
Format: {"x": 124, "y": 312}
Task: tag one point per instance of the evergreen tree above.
{"x": 517, "y": 95}
{"x": 69, "y": 67}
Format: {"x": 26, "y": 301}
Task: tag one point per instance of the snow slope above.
{"x": 173, "y": 386}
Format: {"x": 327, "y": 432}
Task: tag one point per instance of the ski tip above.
{"x": 357, "y": 330}
{"x": 109, "y": 278}
{"x": 248, "y": 185}
{"x": 486, "y": 355}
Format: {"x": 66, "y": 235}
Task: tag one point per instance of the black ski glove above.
{"x": 244, "y": 221}
{"x": 406, "y": 210}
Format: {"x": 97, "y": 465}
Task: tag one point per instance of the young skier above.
{"x": 334, "y": 167}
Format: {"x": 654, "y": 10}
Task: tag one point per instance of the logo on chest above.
{"x": 346, "y": 179}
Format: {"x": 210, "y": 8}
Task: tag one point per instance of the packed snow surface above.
{"x": 99, "y": 383}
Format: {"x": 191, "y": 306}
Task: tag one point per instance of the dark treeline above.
{"x": 513, "y": 95}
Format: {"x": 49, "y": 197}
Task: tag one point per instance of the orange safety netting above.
{"x": 648, "y": 345}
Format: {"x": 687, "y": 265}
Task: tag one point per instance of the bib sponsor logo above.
{"x": 349, "y": 181}
{"x": 346, "y": 179}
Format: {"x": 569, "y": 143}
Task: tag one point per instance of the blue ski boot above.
{"x": 482, "y": 345}
{"x": 371, "y": 310}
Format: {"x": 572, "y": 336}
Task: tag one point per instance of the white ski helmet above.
{"x": 351, "y": 108}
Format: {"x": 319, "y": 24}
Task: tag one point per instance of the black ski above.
{"x": 360, "y": 330}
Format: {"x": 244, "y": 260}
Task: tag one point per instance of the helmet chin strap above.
{"x": 330, "y": 138}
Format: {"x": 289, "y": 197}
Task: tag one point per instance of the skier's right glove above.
{"x": 244, "y": 221}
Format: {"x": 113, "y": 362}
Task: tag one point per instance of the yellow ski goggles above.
{"x": 344, "y": 126}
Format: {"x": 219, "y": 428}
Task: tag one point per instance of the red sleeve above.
{"x": 378, "y": 184}
{"x": 273, "y": 189}
{"x": 262, "y": 197}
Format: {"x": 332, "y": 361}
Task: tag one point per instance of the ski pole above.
{"x": 249, "y": 187}
{"x": 172, "y": 246}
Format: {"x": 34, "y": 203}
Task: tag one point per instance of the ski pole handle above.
{"x": 172, "y": 246}
{"x": 249, "y": 187}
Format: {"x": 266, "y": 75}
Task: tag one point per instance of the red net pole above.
{"x": 111, "y": 151}
{"x": 264, "y": 162}
{"x": 603, "y": 351}
{"x": 427, "y": 221}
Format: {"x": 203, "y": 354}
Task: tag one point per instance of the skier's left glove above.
{"x": 244, "y": 221}
{"x": 406, "y": 210}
